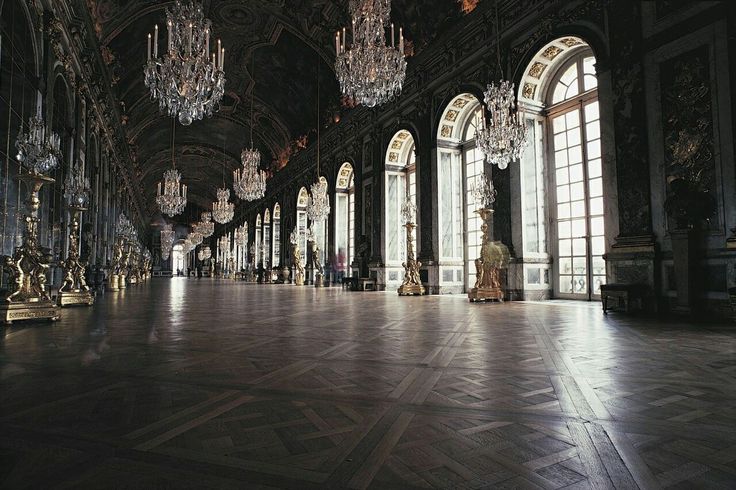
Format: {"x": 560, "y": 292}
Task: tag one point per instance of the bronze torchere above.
{"x": 74, "y": 290}
{"x": 412, "y": 284}
{"x": 27, "y": 297}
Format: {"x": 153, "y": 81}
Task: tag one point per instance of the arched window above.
{"x": 459, "y": 165}
{"x": 344, "y": 220}
{"x": 400, "y": 184}
{"x": 259, "y": 238}
{"x": 560, "y": 94}
{"x": 276, "y": 255}
{"x": 267, "y": 238}
{"x": 301, "y": 218}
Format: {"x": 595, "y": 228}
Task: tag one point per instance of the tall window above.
{"x": 344, "y": 219}
{"x": 301, "y": 219}
{"x": 576, "y": 154}
{"x": 276, "y": 256}
{"x": 258, "y": 240}
{"x": 266, "y": 238}
{"x": 459, "y": 165}
{"x": 400, "y": 184}
{"x": 320, "y": 232}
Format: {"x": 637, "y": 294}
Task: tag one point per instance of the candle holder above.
{"x": 74, "y": 290}
{"x": 27, "y": 296}
{"x": 412, "y": 285}
{"x": 296, "y": 256}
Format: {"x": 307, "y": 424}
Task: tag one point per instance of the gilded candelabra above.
{"x": 74, "y": 290}
{"x": 412, "y": 284}
{"x": 494, "y": 256}
{"x": 296, "y": 255}
{"x": 115, "y": 264}
{"x": 26, "y": 296}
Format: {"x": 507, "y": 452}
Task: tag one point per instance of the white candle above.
{"x": 159, "y": 188}
{"x": 149, "y": 47}
{"x": 393, "y": 36}
{"x": 337, "y": 43}
{"x": 155, "y": 41}
{"x": 222, "y": 59}
{"x": 343, "y": 36}
{"x": 219, "y": 43}
{"x": 169, "y": 31}
{"x": 401, "y": 40}
{"x": 207, "y": 41}
{"x": 190, "y": 38}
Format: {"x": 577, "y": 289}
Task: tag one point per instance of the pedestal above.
{"x": 485, "y": 294}
{"x": 112, "y": 283}
{"x": 121, "y": 281}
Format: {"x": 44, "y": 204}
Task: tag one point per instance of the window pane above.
{"x": 575, "y": 155}
{"x": 594, "y": 168}
{"x": 593, "y": 130}
{"x": 572, "y": 90}
{"x": 563, "y": 211}
{"x": 577, "y": 209}
{"x": 560, "y": 141}
{"x": 589, "y": 82}
{"x": 591, "y": 112}
{"x": 561, "y": 176}
{"x": 577, "y": 191}
{"x": 558, "y": 124}
{"x": 572, "y": 119}
{"x": 580, "y": 266}
{"x": 578, "y": 247}
{"x": 598, "y": 245}
{"x": 563, "y": 193}
{"x": 566, "y": 284}
{"x": 576, "y": 173}
{"x": 573, "y": 136}
{"x": 561, "y": 158}
{"x": 594, "y": 149}
{"x": 596, "y": 187}
{"x": 563, "y": 229}
{"x": 596, "y": 226}
{"x": 596, "y": 206}
{"x": 578, "y": 227}
{"x": 565, "y": 264}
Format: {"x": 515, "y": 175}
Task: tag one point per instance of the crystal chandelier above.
{"x": 186, "y": 81}
{"x": 318, "y": 205}
{"x": 224, "y": 245}
{"x": 206, "y": 227}
{"x": 249, "y": 183}
{"x": 173, "y": 199}
{"x": 38, "y": 149}
{"x": 370, "y": 71}
{"x": 195, "y": 238}
{"x": 483, "y": 191}
{"x": 223, "y": 210}
{"x": 241, "y": 234}
{"x": 167, "y": 241}
{"x": 408, "y": 211}
{"x": 505, "y": 136}
{"x": 76, "y": 188}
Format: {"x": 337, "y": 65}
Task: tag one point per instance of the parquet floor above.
{"x": 204, "y": 384}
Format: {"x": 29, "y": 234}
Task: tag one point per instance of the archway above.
{"x": 344, "y": 221}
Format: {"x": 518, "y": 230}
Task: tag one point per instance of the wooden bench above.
{"x": 621, "y": 296}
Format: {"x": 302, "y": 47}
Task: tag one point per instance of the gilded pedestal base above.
{"x": 485, "y": 294}
{"x": 31, "y": 310}
{"x": 318, "y": 280}
{"x": 411, "y": 290}
{"x": 112, "y": 284}
{"x": 121, "y": 281}
{"x": 75, "y": 298}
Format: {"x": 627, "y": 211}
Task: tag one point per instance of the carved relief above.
{"x": 551, "y": 52}
{"x": 537, "y": 69}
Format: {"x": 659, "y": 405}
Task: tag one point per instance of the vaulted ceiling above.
{"x": 289, "y": 42}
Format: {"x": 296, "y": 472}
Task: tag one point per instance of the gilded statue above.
{"x": 494, "y": 256}
{"x": 412, "y": 283}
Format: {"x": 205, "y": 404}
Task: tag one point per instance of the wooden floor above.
{"x": 190, "y": 383}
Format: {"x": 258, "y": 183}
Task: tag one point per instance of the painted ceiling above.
{"x": 275, "y": 50}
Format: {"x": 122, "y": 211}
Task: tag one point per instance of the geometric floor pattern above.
{"x": 189, "y": 383}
